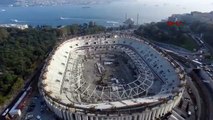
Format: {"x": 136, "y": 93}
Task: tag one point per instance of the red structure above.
{"x": 177, "y": 23}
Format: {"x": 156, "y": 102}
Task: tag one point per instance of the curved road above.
{"x": 33, "y": 78}
{"x": 205, "y": 91}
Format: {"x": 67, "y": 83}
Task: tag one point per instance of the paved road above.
{"x": 28, "y": 83}
{"x": 205, "y": 91}
{"x": 207, "y": 98}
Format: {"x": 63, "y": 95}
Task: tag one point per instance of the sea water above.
{"x": 112, "y": 14}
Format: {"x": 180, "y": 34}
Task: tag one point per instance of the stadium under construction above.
{"x": 110, "y": 76}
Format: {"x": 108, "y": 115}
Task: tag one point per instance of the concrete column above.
{"x": 75, "y": 116}
{"x": 67, "y": 114}
{"x": 171, "y": 106}
{"x": 70, "y": 116}
{"x": 149, "y": 115}
{"x": 177, "y": 100}
{"x": 60, "y": 112}
{"x": 52, "y": 107}
{"x": 90, "y": 117}
{"x": 79, "y": 117}
{"x": 96, "y": 117}
{"x": 132, "y": 117}
{"x": 85, "y": 117}
{"x": 114, "y": 118}
{"x": 48, "y": 104}
{"x": 167, "y": 108}
{"x": 154, "y": 114}
{"x": 158, "y": 112}
{"x": 127, "y": 117}
{"x": 56, "y": 111}
{"x": 64, "y": 115}
{"x": 146, "y": 115}
{"x": 119, "y": 118}
{"x": 163, "y": 109}
{"x": 141, "y": 116}
{"x": 136, "y": 117}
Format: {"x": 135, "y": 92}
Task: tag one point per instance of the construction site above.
{"x": 110, "y": 76}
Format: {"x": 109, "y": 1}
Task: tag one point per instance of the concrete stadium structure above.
{"x": 110, "y": 76}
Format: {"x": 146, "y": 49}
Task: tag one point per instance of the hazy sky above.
{"x": 200, "y": 5}
{"x": 181, "y": 2}
{"x": 188, "y": 4}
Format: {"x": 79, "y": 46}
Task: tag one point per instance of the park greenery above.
{"x": 178, "y": 35}
{"x": 161, "y": 32}
{"x": 22, "y": 51}
{"x": 203, "y": 29}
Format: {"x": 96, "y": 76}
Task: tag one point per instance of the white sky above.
{"x": 199, "y": 5}
{"x": 180, "y": 2}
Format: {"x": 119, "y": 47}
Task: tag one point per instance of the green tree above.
{"x": 3, "y": 34}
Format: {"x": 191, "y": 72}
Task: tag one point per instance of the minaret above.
{"x": 137, "y": 18}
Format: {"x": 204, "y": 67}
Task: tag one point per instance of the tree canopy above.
{"x": 21, "y": 51}
{"x": 161, "y": 32}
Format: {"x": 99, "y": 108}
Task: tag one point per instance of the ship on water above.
{"x": 62, "y": 18}
{"x": 86, "y": 7}
{"x": 3, "y": 10}
{"x": 14, "y": 20}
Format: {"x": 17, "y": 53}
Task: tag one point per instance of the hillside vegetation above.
{"x": 21, "y": 51}
{"x": 205, "y": 29}
{"x": 161, "y": 32}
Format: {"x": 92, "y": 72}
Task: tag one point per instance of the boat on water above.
{"x": 11, "y": 5}
{"x": 85, "y": 7}
{"x": 62, "y": 18}
{"x": 3, "y": 10}
{"x": 14, "y": 20}
{"x": 112, "y": 22}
